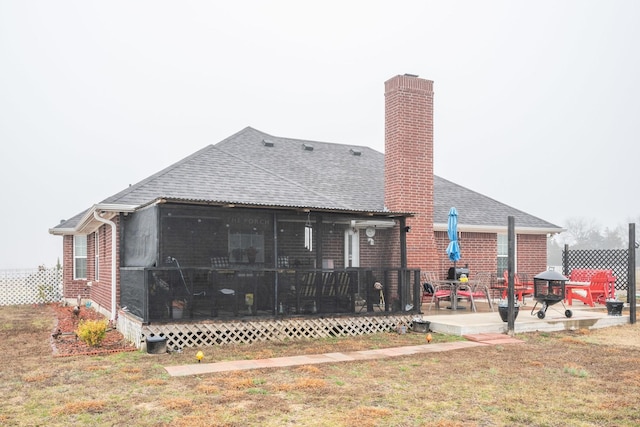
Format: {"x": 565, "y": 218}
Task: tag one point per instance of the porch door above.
{"x": 352, "y": 248}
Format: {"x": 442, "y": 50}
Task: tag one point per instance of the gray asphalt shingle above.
{"x": 242, "y": 169}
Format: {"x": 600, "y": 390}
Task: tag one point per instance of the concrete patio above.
{"x": 485, "y": 321}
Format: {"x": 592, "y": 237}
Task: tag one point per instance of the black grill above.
{"x": 459, "y": 271}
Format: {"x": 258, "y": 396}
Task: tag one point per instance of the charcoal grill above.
{"x": 455, "y": 273}
{"x": 548, "y": 290}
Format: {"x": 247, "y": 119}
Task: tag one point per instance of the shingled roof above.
{"x": 257, "y": 169}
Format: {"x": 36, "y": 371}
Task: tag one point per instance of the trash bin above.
{"x": 156, "y": 345}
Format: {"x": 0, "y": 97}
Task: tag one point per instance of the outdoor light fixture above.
{"x": 637, "y": 245}
{"x": 407, "y": 229}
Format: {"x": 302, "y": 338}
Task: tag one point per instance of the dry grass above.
{"x": 582, "y": 378}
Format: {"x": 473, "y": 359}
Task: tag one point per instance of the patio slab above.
{"x": 466, "y": 323}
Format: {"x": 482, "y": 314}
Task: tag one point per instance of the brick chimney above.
{"x": 408, "y": 163}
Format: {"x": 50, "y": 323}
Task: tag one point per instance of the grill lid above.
{"x": 550, "y": 275}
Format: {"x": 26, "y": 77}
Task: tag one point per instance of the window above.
{"x": 246, "y": 247}
{"x": 96, "y": 250}
{"x": 503, "y": 254}
{"x": 80, "y": 257}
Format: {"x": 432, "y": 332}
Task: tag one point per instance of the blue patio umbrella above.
{"x": 453, "y": 250}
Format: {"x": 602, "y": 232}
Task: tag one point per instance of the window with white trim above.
{"x": 96, "y": 251}
{"x": 503, "y": 254}
{"x": 80, "y": 257}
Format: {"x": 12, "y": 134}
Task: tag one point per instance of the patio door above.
{"x": 352, "y": 247}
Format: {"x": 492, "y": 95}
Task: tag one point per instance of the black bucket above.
{"x": 614, "y": 308}
{"x": 420, "y": 326}
{"x": 156, "y": 345}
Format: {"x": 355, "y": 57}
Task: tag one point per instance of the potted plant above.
{"x": 614, "y": 307}
{"x": 503, "y": 310}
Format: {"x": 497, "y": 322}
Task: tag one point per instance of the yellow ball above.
{"x": 199, "y": 356}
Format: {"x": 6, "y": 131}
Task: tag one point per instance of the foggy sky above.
{"x": 536, "y": 103}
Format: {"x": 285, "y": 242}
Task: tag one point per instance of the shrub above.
{"x": 92, "y": 331}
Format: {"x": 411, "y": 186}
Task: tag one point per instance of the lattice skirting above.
{"x": 246, "y": 332}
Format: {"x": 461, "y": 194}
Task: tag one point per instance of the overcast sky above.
{"x": 537, "y": 104}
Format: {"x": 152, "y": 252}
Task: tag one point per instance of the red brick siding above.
{"x": 531, "y": 253}
{"x": 409, "y": 163}
{"x": 480, "y": 252}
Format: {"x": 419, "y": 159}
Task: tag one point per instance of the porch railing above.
{"x": 183, "y": 294}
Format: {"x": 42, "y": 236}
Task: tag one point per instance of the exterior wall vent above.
{"x": 355, "y": 152}
{"x": 307, "y": 147}
{"x": 267, "y": 143}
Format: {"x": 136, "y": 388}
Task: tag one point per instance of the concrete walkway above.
{"x": 314, "y": 359}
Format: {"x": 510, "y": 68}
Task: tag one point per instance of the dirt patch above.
{"x": 64, "y": 341}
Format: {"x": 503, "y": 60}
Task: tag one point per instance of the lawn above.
{"x": 581, "y": 378}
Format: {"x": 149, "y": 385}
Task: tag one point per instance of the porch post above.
{"x": 403, "y": 242}
{"x": 275, "y": 263}
{"x": 511, "y": 267}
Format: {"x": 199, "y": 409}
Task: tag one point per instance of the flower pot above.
{"x": 614, "y": 308}
{"x": 503, "y": 310}
{"x": 177, "y": 313}
{"x": 420, "y": 326}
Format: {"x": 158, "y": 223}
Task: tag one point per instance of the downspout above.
{"x": 114, "y": 252}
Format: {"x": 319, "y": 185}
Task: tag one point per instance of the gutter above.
{"x": 114, "y": 253}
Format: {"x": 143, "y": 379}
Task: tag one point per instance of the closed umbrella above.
{"x": 453, "y": 250}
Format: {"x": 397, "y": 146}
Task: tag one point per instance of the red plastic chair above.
{"x": 599, "y": 289}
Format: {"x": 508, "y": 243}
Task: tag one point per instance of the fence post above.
{"x": 631, "y": 275}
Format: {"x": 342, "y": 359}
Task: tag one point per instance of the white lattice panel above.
{"x": 30, "y": 286}
{"x": 237, "y": 332}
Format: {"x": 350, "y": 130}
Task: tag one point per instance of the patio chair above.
{"x": 599, "y": 290}
{"x": 441, "y": 291}
{"x": 307, "y": 293}
{"x": 336, "y": 291}
{"x": 476, "y": 289}
{"x": 521, "y": 286}
{"x": 428, "y": 279}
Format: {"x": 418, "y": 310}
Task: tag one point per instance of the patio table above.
{"x": 455, "y": 284}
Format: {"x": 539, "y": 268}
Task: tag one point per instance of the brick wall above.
{"x": 409, "y": 163}
{"x": 100, "y": 290}
{"x": 480, "y": 252}
{"x": 531, "y": 253}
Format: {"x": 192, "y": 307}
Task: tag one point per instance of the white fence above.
{"x": 39, "y": 285}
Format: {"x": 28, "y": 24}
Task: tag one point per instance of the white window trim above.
{"x": 515, "y": 264}
{"x": 352, "y": 247}
{"x": 77, "y": 257}
{"x": 96, "y": 251}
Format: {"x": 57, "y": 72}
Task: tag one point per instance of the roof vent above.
{"x": 355, "y": 152}
{"x": 410, "y": 75}
{"x": 307, "y": 147}
{"x": 267, "y": 143}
